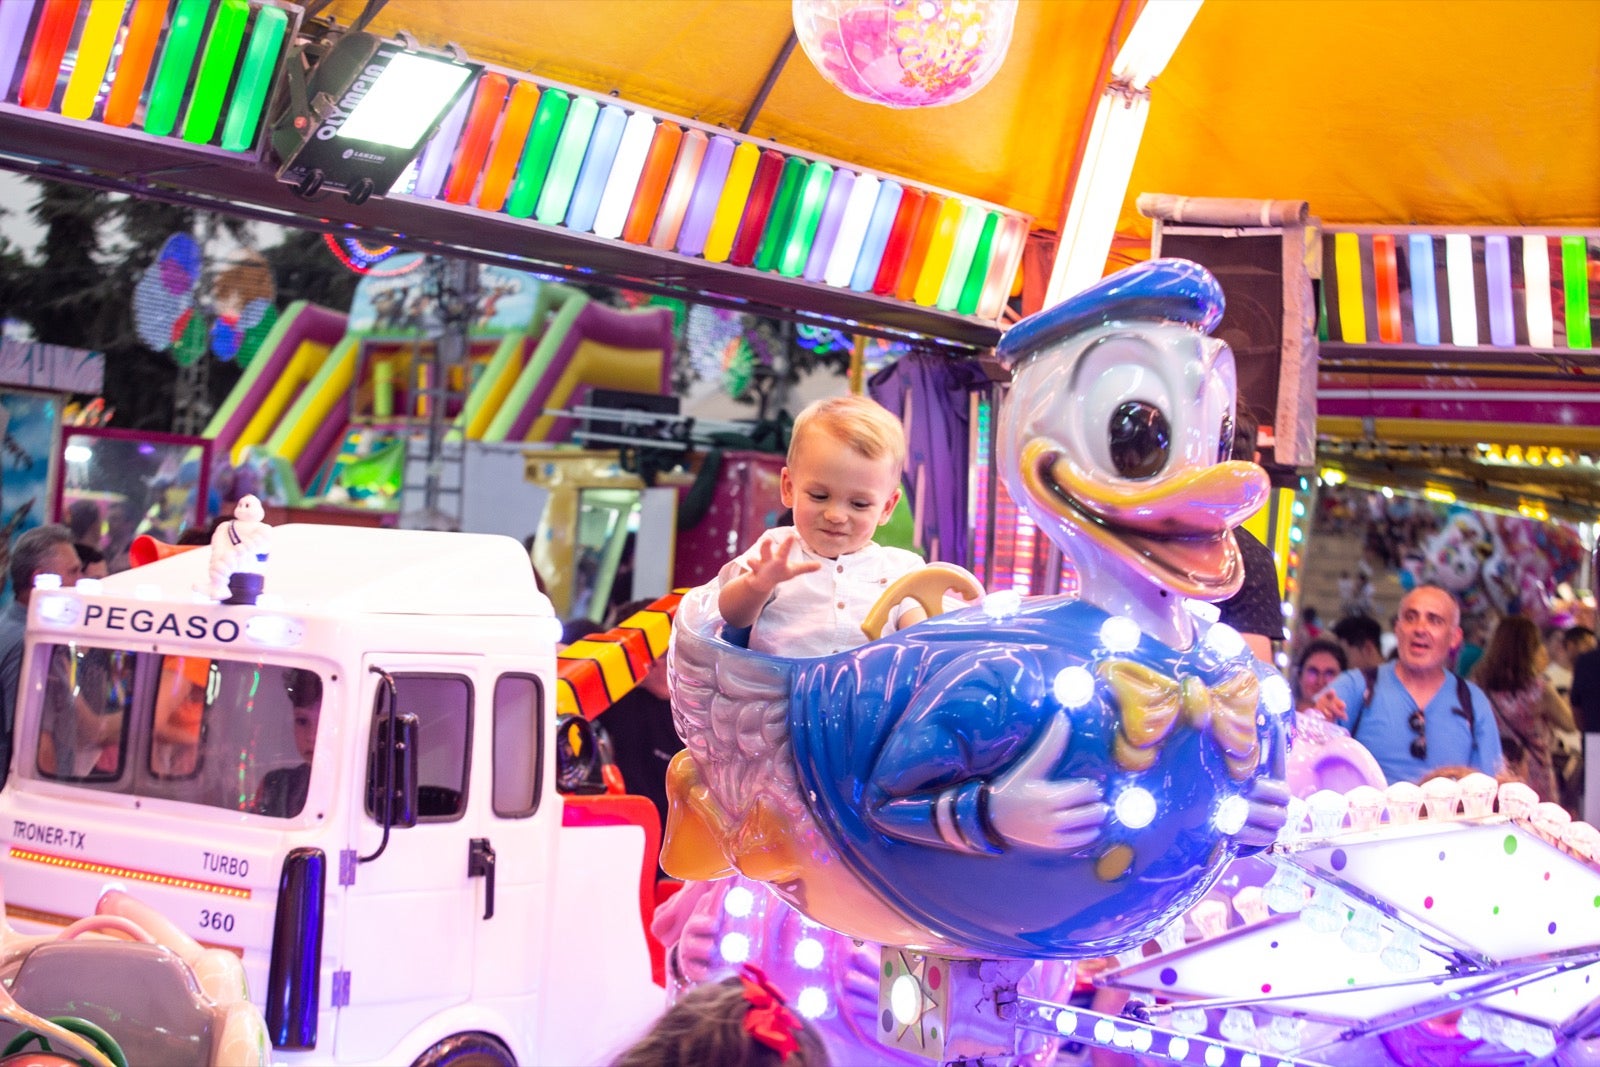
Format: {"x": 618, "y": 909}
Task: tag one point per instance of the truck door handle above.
{"x": 480, "y": 864}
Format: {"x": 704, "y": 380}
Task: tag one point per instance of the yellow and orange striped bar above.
{"x": 596, "y": 672}
{"x": 132, "y": 874}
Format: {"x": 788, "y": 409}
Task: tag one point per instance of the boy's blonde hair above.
{"x": 858, "y": 421}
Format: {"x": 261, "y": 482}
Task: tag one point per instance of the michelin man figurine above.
{"x": 239, "y": 547}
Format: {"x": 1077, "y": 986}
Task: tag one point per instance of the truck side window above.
{"x": 182, "y": 695}
{"x": 87, "y": 694}
{"x": 443, "y": 707}
{"x": 518, "y": 711}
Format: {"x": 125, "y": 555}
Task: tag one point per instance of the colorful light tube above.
{"x": 1386, "y": 287}
{"x": 1424, "y": 290}
{"x": 908, "y": 215}
{"x": 487, "y": 101}
{"x": 1497, "y": 271}
{"x": 94, "y": 55}
{"x": 1536, "y": 288}
{"x": 133, "y": 66}
{"x": 707, "y": 194}
{"x": 14, "y": 19}
{"x": 174, "y": 66}
{"x": 757, "y": 209}
{"x": 537, "y": 152}
{"x": 1352, "y": 307}
{"x": 556, "y": 195}
{"x": 972, "y": 290}
{"x": 507, "y": 150}
{"x": 781, "y": 219}
{"x": 730, "y": 204}
{"x": 50, "y": 38}
{"x": 885, "y": 206}
{"x": 961, "y": 254}
{"x": 216, "y": 71}
{"x": 1009, "y": 240}
{"x": 1575, "y": 279}
{"x": 441, "y": 149}
{"x": 596, "y": 168}
{"x": 796, "y": 247}
{"x": 652, "y": 183}
{"x": 624, "y": 178}
{"x": 852, "y": 231}
{"x": 240, "y": 128}
{"x": 844, "y": 182}
{"x": 680, "y": 186}
{"x": 514, "y": 145}
{"x": 905, "y": 287}
{"x": 931, "y": 278}
{"x": 1463, "y": 290}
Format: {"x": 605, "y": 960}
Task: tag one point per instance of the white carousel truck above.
{"x": 352, "y": 784}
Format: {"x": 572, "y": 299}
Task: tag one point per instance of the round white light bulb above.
{"x": 808, "y": 953}
{"x": 1276, "y": 695}
{"x": 1231, "y": 814}
{"x": 1119, "y": 634}
{"x": 1002, "y": 604}
{"x": 1074, "y": 687}
{"x": 812, "y": 1002}
{"x": 904, "y": 999}
{"x": 738, "y": 902}
{"x": 1135, "y": 807}
{"x": 735, "y": 947}
{"x": 1225, "y": 641}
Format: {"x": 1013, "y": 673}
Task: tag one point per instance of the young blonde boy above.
{"x": 806, "y": 588}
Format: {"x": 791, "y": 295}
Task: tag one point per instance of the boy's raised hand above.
{"x": 777, "y": 562}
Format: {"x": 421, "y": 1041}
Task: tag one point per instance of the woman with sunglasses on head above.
{"x": 1526, "y": 706}
{"x": 1315, "y": 668}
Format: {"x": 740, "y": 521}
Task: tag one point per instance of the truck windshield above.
{"x": 228, "y": 733}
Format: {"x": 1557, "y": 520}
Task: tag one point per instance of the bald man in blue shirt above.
{"x": 1416, "y": 716}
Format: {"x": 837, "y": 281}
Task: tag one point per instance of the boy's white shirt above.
{"x": 820, "y": 613}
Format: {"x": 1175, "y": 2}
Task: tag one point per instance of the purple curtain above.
{"x": 932, "y": 395}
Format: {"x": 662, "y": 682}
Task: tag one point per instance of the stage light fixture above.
{"x": 353, "y": 112}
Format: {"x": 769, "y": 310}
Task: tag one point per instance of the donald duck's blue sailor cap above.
{"x": 1158, "y": 290}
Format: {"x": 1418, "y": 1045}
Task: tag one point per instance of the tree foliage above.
{"x": 76, "y": 287}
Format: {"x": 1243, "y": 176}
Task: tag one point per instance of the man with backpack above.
{"x": 1413, "y": 714}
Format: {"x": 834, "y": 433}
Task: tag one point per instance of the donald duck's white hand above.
{"x": 1028, "y": 808}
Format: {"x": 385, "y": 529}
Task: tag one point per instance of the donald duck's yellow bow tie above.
{"x": 1151, "y": 704}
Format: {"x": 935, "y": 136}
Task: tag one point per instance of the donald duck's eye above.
{"x": 1225, "y": 443}
{"x": 1141, "y": 439}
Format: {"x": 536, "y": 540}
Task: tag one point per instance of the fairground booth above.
{"x": 589, "y": 260}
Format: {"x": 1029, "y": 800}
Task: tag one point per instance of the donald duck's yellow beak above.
{"x": 1178, "y": 527}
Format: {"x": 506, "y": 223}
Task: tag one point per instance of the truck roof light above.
{"x": 280, "y": 631}
{"x": 60, "y": 609}
{"x": 47, "y": 581}
{"x": 88, "y": 586}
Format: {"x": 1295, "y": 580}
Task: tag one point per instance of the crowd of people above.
{"x": 1516, "y": 707}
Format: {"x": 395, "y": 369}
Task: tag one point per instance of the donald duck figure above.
{"x": 1054, "y": 777}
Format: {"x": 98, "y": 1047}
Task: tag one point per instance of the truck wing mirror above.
{"x": 392, "y": 772}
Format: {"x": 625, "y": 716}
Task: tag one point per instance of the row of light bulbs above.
{"x": 1533, "y": 455}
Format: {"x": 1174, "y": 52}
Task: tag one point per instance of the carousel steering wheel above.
{"x": 77, "y": 1028}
